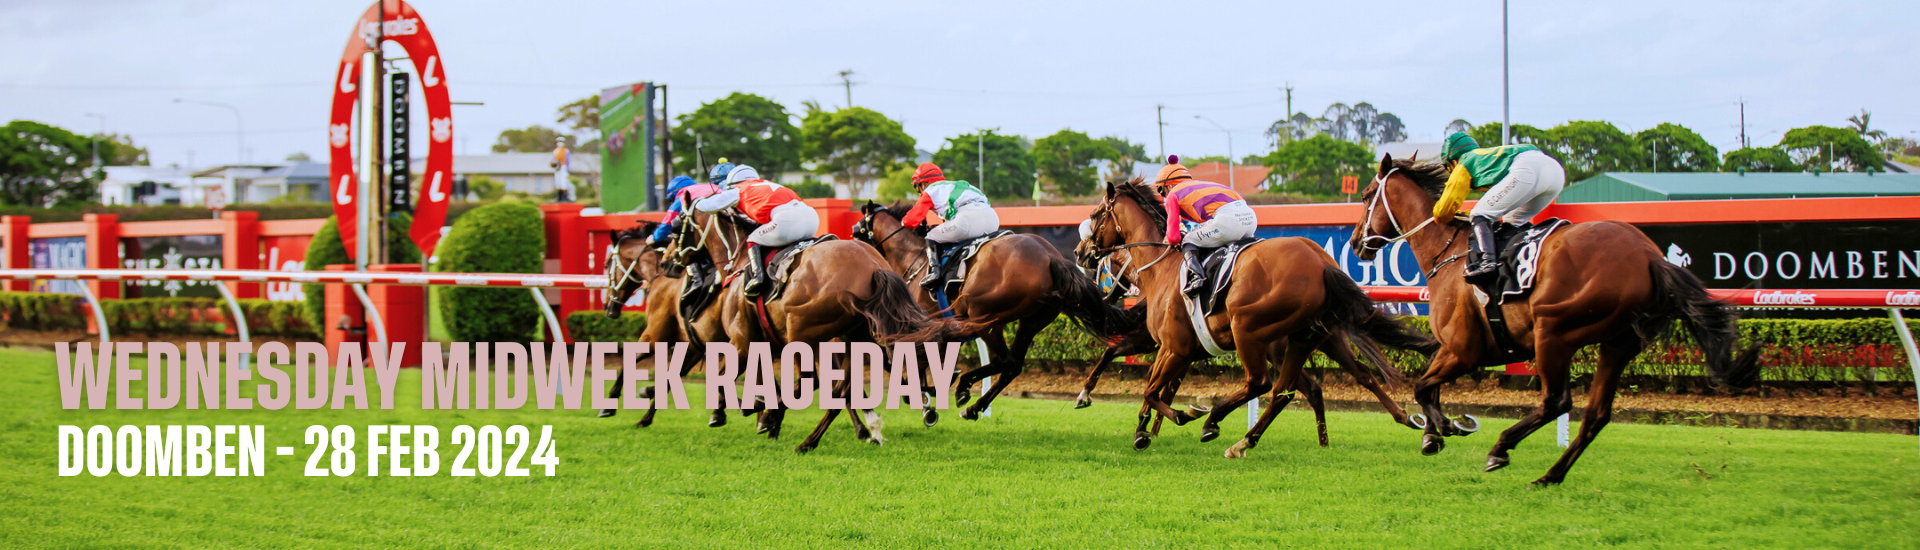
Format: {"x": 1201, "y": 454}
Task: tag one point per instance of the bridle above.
{"x": 1379, "y": 200}
{"x": 699, "y": 231}
{"x": 863, "y": 232}
{"x": 1103, "y": 253}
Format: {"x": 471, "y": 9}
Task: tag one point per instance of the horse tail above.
{"x": 1081, "y": 300}
{"x": 890, "y": 309}
{"x": 1678, "y": 295}
{"x": 1350, "y": 311}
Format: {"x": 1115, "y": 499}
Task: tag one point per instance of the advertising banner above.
{"x": 1876, "y": 255}
{"x": 170, "y": 252}
{"x": 284, "y": 253}
{"x": 626, "y": 161}
{"x": 400, "y": 24}
{"x": 59, "y": 253}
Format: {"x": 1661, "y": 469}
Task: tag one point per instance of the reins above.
{"x": 1380, "y": 201}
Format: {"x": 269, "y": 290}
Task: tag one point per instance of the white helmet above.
{"x": 739, "y": 174}
{"x": 1086, "y": 230}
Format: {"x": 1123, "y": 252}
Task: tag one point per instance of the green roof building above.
{"x": 1686, "y": 186}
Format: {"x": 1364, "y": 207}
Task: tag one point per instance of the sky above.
{"x": 946, "y": 68}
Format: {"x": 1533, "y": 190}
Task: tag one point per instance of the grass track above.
{"x": 1036, "y": 475}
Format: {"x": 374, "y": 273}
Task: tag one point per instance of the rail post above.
{"x": 1906, "y": 340}
{"x": 15, "y": 253}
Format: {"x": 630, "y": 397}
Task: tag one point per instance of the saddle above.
{"x": 953, "y": 263}
{"x": 1519, "y": 248}
{"x": 781, "y": 261}
{"x": 1216, "y": 275}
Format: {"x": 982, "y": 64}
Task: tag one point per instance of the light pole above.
{"x": 1223, "y": 130}
{"x": 97, "y": 138}
{"x": 240, "y": 128}
{"x": 1506, "y": 125}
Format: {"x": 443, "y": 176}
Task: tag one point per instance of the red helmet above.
{"x": 927, "y": 173}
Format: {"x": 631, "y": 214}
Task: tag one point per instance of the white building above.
{"x": 524, "y": 172}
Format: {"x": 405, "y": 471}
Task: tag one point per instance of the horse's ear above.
{"x": 1110, "y": 190}
{"x": 1386, "y": 163}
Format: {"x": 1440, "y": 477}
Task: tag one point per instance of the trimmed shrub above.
{"x": 326, "y": 249}
{"x": 497, "y": 238}
{"x": 268, "y": 318}
{"x": 44, "y": 311}
{"x": 594, "y": 326}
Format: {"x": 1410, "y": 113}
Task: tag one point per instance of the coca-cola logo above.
{"x": 1783, "y": 298}
{"x": 1908, "y": 298}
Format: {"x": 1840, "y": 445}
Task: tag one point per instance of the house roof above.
{"x": 518, "y": 163}
{"x": 1631, "y": 186}
{"x": 298, "y": 171}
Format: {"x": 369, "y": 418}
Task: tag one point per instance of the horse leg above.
{"x": 619, "y": 381}
{"x": 1016, "y": 359}
{"x": 1311, "y": 387}
{"x": 646, "y": 419}
{"x": 1169, "y": 395}
{"x": 1337, "y": 350}
{"x": 1614, "y": 357}
{"x": 992, "y": 364}
{"x": 1555, "y": 399}
{"x": 1253, "y": 356}
{"x": 1286, "y": 377}
{"x": 1166, "y": 367}
{"x": 1444, "y": 367}
{"x": 1128, "y": 345}
{"x": 813, "y": 439}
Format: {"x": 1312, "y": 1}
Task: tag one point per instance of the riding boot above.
{"x": 756, "y": 270}
{"x": 932, "y": 278}
{"x": 1482, "y": 260}
{"x": 1196, "y": 272}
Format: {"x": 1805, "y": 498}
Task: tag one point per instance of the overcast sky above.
{"x": 945, "y": 68}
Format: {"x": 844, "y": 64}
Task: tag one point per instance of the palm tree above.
{"x": 1860, "y": 126}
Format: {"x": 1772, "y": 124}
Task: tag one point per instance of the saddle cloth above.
{"x": 953, "y": 272}
{"x": 1519, "y": 248}
{"x": 1217, "y": 269}
{"x": 780, "y": 263}
{"x": 698, "y": 288}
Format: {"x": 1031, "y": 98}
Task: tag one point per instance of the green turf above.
{"x": 1036, "y": 475}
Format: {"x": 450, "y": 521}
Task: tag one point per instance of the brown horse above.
{"x": 1141, "y": 342}
{"x": 1018, "y": 278}
{"x": 1287, "y": 299}
{"x": 1599, "y": 283}
{"x": 835, "y": 290}
{"x": 633, "y": 266}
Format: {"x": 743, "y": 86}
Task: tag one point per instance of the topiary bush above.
{"x": 594, "y": 326}
{"x": 503, "y": 237}
{"x": 326, "y": 249}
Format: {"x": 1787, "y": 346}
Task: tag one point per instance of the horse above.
{"x": 836, "y": 289}
{"x": 634, "y": 265}
{"x": 1141, "y": 342}
{"x": 1018, "y": 280}
{"x": 1287, "y": 299}
{"x": 1597, "y": 283}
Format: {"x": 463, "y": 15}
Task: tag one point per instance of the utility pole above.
{"x": 1289, "y": 114}
{"x": 97, "y": 138}
{"x": 1743, "y": 123}
{"x": 1506, "y": 124}
{"x": 844, "y": 81}
{"x": 1160, "y": 125}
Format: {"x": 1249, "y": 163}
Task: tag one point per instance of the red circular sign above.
{"x": 403, "y": 26}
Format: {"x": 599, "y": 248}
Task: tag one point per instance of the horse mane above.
{"x": 898, "y": 209}
{"x": 1431, "y": 176}
{"x": 1148, "y": 199}
{"x": 641, "y": 231}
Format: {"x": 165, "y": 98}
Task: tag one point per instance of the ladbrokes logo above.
{"x": 1908, "y": 298}
{"x": 1781, "y": 298}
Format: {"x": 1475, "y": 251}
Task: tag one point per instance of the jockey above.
{"x": 967, "y": 213}
{"x": 680, "y": 192}
{"x": 1524, "y": 182}
{"x": 1222, "y": 213}
{"x": 783, "y": 218}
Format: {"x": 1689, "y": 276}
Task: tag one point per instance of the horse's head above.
{"x": 1398, "y": 200}
{"x": 631, "y": 264}
{"x": 880, "y": 224}
{"x": 1130, "y": 213}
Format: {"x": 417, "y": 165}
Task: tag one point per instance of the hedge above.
{"x": 594, "y": 326}
{"x": 505, "y": 237}
{"x": 170, "y": 315}
{"x": 326, "y": 249}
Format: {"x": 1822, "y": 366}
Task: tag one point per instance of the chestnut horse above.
{"x": 1288, "y": 298}
{"x": 836, "y": 290}
{"x": 1014, "y": 279}
{"x": 633, "y": 266}
{"x": 1599, "y": 283}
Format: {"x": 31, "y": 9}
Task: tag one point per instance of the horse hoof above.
{"x": 1496, "y": 462}
{"x": 1417, "y": 421}
{"x": 643, "y": 423}
{"x": 802, "y": 449}
{"x": 1209, "y": 433}
{"x": 1432, "y": 444}
{"x": 717, "y": 421}
{"x": 930, "y": 418}
{"x": 1545, "y": 481}
{"x": 1239, "y": 450}
{"x": 1141, "y": 441}
{"x": 970, "y": 414}
{"x": 1083, "y": 401}
{"x": 608, "y": 413}
{"x": 1466, "y": 424}
{"x": 961, "y": 397}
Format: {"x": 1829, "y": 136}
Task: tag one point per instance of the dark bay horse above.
{"x": 1018, "y": 278}
{"x": 632, "y": 266}
{"x": 1601, "y": 283}
{"x": 836, "y": 290}
{"x": 1288, "y": 297}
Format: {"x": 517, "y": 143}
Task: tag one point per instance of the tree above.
{"x": 119, "y": 150}
{"x": 1009, "y": 165}
{"x": 1488, "y": 135}
{"x": 1759, "y": 159}
{"x": 1830, "y": 149}
{"x": 1860, "y": 124}
{"x": 811, "y": 188}
{"x": 1065, "y": 159}
{"x": 299, "y": 156}
{"x": 1458, "y": 125}
{"x": 855, "y": 144}
{"x": 1674, "y": 148}
{"x": 1315, "y": 164}
{"x": 1295, "y": 126}
{"x": 1589, "y": 147}
{"x": 897, "y": 184}
{"x": 582, "y": 119}
{"x": 532, "y": 139}
{"x": 1127, "y": 149}
{"x": 743, "y": 128}
{"x": 43, "y": 165}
